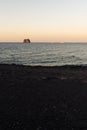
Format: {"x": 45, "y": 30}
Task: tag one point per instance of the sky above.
{"x": 43, "y": 20}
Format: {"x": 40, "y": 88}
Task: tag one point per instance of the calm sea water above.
{"x": 52, "y": 54}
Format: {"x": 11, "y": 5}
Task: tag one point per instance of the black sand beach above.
{"x": 43, "y": 98}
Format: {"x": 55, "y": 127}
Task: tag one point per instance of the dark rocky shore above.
{"x": 43, "y": 98}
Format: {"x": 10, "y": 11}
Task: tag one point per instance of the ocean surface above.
{"x": 44, "y": 54}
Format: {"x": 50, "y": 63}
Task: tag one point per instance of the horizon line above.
{"x": 45, "y": 42}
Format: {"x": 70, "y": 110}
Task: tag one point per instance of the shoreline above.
{"x": 73, "y": 72}
{"x": 43, "y": 97}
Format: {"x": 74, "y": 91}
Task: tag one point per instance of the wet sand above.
{"x": 43, "y": 98}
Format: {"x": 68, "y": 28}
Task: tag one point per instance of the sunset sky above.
{"x": 43, "y": 20}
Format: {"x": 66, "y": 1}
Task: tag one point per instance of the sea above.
{"x": 43, "y": 53}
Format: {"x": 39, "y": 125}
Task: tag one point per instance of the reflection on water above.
{"x": 44, "y": 53}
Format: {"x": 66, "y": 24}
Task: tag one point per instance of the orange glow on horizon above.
{"x": 63, "y": 36}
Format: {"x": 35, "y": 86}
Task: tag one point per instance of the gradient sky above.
{"x": 43, "y": 20}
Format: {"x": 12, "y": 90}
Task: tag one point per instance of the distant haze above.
{"x": 43, "y": 20}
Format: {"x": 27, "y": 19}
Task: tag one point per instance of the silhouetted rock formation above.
{"x": 26, "y": 41}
